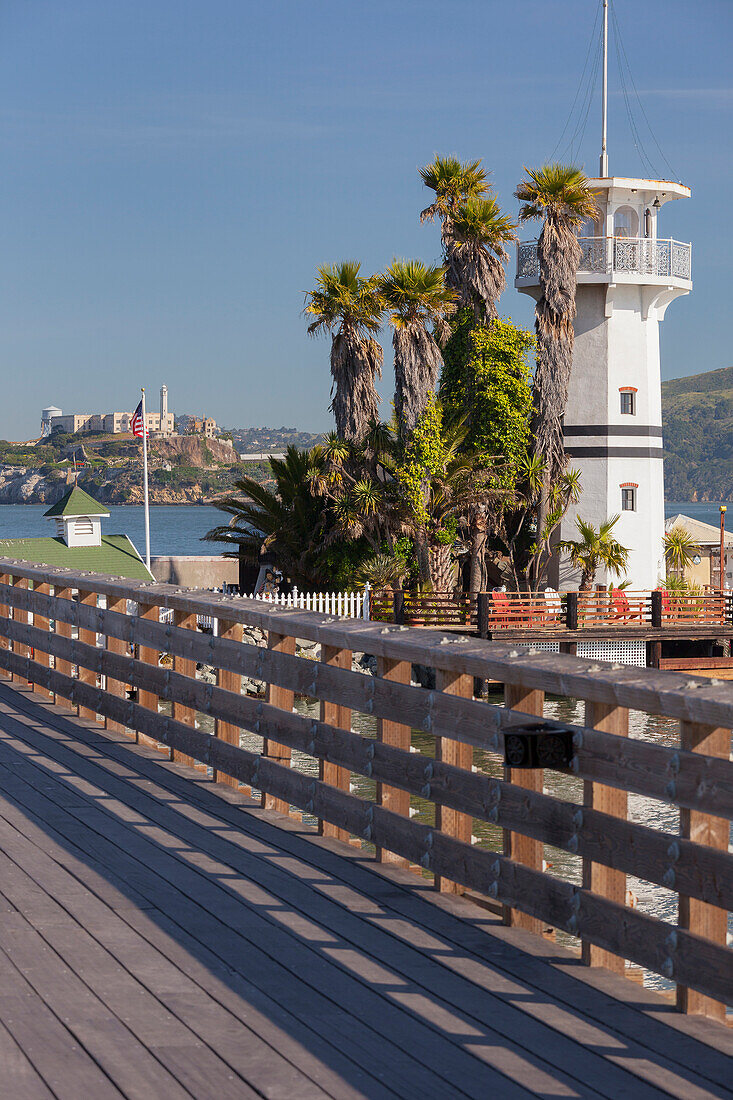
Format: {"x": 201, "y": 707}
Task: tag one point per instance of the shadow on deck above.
{"x": 162, "y": 937}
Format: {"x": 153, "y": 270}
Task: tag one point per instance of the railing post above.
{"x": 483, "y": 612}
{"x": 605, "y": 881}
{"x": 88, "y": 637}
{"x": 148, "y": 656}
{"x": 571, "y": 610}
{"x": 448, "y": 820}
{"x": 282, "y": 698}
{"x": 5, "y": 578}
{"x": 117, "y": 646}
{"x": 42, "y": 623}
{"x": 393, "y": 733}
{"x": 334, "y": 714}
{"x": 399, "y": 606}
{"x": 19, "y": 616}
{"x": 698, "y": 916}
{"x": 524, "y": 849}
{"x": 230, "y": 681}
{"x": 63, "y": 629}
{"x": 185, "y": 667}
{"x": 657, "y": 610}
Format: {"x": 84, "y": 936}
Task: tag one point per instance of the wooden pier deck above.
{"x": 162, "y": 936}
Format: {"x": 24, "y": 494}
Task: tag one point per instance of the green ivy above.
{"x": 424, "y": 456}
{"x": 486, "y": 377}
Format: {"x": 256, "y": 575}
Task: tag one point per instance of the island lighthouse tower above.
{"x": 628, "y": 275}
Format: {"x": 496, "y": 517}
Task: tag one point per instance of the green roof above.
{"x": 117, "y": 556}
{"x": 77, "y": 503}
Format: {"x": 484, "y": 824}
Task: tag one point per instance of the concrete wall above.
{"x": 195, "y": 572}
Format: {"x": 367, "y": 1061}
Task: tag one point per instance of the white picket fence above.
{"x": 342, "y": 605}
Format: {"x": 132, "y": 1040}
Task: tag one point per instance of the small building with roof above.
{"x": 704, "y": 569}
{"x": 79, "y": 543}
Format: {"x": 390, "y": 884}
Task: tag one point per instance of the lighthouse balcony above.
{"x": 617, "y": 259}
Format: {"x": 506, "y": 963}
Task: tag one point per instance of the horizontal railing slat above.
{"x": 659, "y": 857}
{"x": 656, "y": 692}
{"x": 691, "y": 780}
{"x": 676, "y": 953}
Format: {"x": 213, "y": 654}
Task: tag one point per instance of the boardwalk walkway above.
{"x": 161, "y": 937}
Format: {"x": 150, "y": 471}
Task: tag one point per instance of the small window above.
{"x": 628, "y": 500}
{"x": 83, "y": 527}
{"x": 628, "y": 403}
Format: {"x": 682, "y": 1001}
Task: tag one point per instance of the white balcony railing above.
{"x": 666, "y": 259}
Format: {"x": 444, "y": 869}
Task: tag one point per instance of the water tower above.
{"x": 628, "y": 275}
{"x": 47, "y": 416}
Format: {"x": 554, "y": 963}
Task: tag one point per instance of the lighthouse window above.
{"x": 628, "y": 500}
{"x": 628, "y": 402}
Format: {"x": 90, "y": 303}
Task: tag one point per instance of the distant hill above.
{"x": 697, "y": 414}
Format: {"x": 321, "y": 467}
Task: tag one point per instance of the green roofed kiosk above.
{"x": 79, "y": 542}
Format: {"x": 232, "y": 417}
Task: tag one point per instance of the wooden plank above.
{"x": 58, "y": 1058}
{"x": 41, "y": 656}
{"x": 148, "y": 699}
{"x": 20, "y": 615}
{"x": 519, "y": 1038}
{"x": 523, "y": 849}
{"x": 615, "y": 1085}
{"x": 698, "y": 784}
{"x": 705, "y": 920}
{"x": 325, "y": 859}
{"x": 339, "y": 716}
{"x": 5, "y": 613}
{"x": 121, "y": 648}
{"x": 62, "y": 617}
{"x": 228, "y": 681}
{"x": 399, "y": 735}
{"x": 19, "y": 1077}
{"x": 360, "y": 1019}
{"x": 451, "y": 752}
{"x": 656, "y": 692}
{"x": 182, "y": 620}
{"x": 700, "y": 871}
{"x": 599, "y": 878}
{"x": 630, "y": 933}
{"x": 261, "y": 1017}
{"x": 283, "y": 699}
{"x": 87, "y": 637}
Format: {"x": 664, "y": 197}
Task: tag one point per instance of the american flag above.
{"x": 136, "y": 424}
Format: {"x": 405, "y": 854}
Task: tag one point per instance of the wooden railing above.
{"x": 495, "y": 612}
{"x": 83, "y": 649}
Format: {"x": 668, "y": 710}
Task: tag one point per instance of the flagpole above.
{"x": 145, "y": 484}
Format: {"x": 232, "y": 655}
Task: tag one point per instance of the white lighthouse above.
{"x": 628, "y": 275}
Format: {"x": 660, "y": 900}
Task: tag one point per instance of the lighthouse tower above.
{"x": 628, "y": 275}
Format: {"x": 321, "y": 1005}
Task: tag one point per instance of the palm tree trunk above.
{"x": 479, "y": 537}
{"x": 441, "y": 567}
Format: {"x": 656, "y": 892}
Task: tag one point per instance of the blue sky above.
{"x": 174, "y": 170}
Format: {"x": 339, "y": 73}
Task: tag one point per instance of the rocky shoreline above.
{"x": 26, "y": 485}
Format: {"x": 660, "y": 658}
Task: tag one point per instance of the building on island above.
{"x": 628, "y": 275}
{"x": 115, "y": 423}
{"x": 79, "y": 543}
{"x": 704, "y": 569}
{"x": 198, "y": 425}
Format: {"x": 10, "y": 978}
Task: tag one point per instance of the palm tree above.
{"x": 284, "y": 522}
{"x": 350, "y": 308}
{"x": 596, "y": 549}
{"x": 679, "y": 549}
{"x": 453, "y": 182}
{"x": 475, "y": 255}
{"x": 417, "y": 299}
{"x": 562, "y": 197}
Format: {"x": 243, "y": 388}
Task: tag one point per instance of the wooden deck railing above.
{"x": 494, "y": 612}
{"x": 84, "y": 647}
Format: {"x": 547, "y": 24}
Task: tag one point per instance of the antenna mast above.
{"x": 604, "y": 97}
